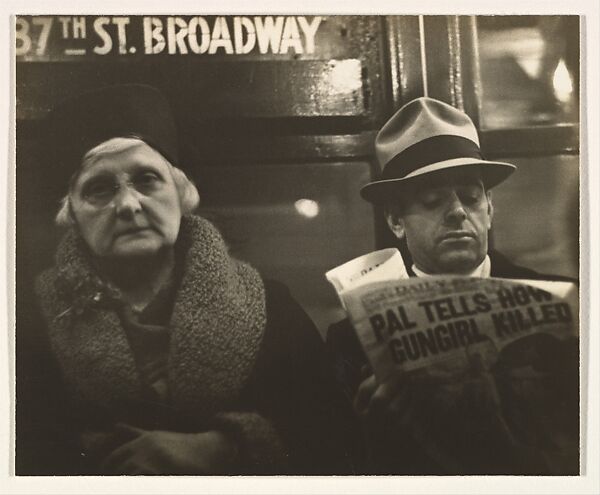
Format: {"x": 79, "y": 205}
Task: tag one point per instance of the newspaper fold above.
{"x": 385, "y": 264}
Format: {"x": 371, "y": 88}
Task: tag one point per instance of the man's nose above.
{"x": 455, "y": 210}
{"x": 127, "y": 202}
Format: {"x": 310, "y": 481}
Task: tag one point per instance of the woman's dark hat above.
{"x": 423, "y": 137}
{"x": 81, "y": 123}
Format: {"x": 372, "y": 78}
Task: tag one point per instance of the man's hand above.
{"x": 374, "y": 399}
{"x": 167, "y": 452}
{"x": 454, "y": 420}
{"x": 400, "y": 395}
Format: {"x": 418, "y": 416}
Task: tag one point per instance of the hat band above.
{"x": 431, "y": 150}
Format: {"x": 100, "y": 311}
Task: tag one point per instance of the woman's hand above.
{"x": 167, "y": 452}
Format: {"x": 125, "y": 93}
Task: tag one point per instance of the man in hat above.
{"x": 435, "y": 190}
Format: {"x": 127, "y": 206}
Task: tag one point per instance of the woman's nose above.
{"x": 127, "y": 202}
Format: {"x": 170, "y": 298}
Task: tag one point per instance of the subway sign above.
{"x": 42, "y": 38}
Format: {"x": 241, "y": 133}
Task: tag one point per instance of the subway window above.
{"x": 293, "y": 222}
{"x": 529, "y": 70}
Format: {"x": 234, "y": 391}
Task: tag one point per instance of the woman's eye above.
{"x": 146, "y": 179}
{"x": 99, "y": 190}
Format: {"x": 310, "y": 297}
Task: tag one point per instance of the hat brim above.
{"x": 492, "y": 174}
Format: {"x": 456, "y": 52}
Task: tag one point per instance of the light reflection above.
{"x": 344, "y": 75}
{"x": 307, "y": 207}
{"x": 562, "y": 83}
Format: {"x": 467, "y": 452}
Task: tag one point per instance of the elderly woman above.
{"x": 172, "y": 357}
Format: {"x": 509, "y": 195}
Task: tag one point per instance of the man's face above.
{"x": 445, "y": 218}
{"x": 125, "y": 202}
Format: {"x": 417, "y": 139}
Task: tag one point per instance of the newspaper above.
{"x": 491, "y": 364}
{"x": 406, "y": 324}
{"x": 378, "y": 266}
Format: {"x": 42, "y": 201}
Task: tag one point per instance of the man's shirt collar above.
{"x": 481, "y": 271}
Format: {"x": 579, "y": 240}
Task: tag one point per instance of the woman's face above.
{"x": 125, "y": 202}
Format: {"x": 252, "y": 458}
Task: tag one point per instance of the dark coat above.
{"x": 269, "y": 385}
{"x": 387, "y": 454}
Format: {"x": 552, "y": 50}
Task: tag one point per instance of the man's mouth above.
{"x": 458, "y": 235}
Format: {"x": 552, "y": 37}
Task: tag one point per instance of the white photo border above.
{"x": 588, "y": 482}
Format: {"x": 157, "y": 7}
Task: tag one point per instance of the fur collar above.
{"x": 216, "y": 328}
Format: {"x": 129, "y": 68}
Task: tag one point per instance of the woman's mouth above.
{"x": 132, "y": 231}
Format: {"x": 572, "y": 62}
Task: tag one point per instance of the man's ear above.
{"x": 490, "y": 209}
{"x": 395, "y": 222}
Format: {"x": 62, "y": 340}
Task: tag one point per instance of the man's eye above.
{"x": 430, "y": 200}
{"x": 470, "y": 196}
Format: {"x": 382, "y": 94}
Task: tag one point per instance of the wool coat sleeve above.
{"x": 303, "y": 424}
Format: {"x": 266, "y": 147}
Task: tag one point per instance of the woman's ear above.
{"x": 394, "y": 221}
{"x": 64, "y": 217}
{"x": 189, "y": 198}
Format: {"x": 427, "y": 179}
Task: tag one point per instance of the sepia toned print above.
{"x": 185, "y": 182}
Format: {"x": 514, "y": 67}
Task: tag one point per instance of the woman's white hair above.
{"x": 189, "y": 198}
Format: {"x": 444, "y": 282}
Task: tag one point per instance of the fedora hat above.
{"x": 423, "y": 137}
{"x": 82, "y": 122}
